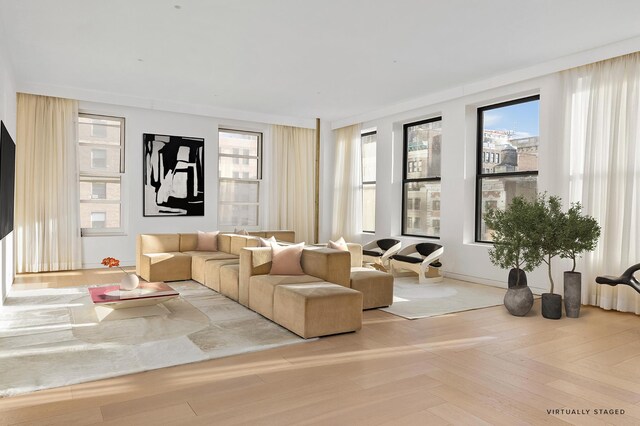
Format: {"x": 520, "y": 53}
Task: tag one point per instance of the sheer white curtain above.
{"x": 47, "y": 225}
{"x": 347, "y": 196}
{"x": 602, "y": 125}
{"x": 292, "y": 193}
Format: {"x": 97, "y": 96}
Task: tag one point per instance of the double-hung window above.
{"x": 368, "y": 141}
{"x": 101, "y": 165}
{"x": 240, "y": 173}
{"x": 507, "y": 157}
{"x": 421, "y": 178}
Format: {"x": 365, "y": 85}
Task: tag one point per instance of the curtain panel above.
{"x": 292, "y": 192}
{"x": 47, "y": 224}
{"x": 347, "y": 195}
{"x": 602, "y": 127}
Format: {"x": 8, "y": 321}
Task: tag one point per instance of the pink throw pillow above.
{"x": 341, "y": 244}
{"x": 207, "y": 241}
{"x": 286, "y": 260}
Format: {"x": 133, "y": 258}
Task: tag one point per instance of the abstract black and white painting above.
{"x": 173, "y": 175}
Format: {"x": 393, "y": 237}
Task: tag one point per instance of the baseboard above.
{"x": 492, "y": 283}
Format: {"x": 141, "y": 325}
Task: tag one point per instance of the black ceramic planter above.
{"x": 572, "y": 293}
{"x": 513, "y": 278}
{"x": 551, "y": 305}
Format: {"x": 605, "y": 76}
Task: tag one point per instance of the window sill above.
{"x": 104, "y": 234}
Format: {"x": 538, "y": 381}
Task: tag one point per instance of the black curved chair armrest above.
{"x": 626, "y": 278}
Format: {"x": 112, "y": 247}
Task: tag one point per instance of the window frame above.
{"x": 363, "y": 135}
{"x": 259, "y": 159}
{"x": 405, "y": 180}
{"x": 95, "y": 232}
{"x": 480, "y": 172}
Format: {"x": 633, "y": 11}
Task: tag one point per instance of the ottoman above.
{"x": 375, "y": 286}
{"x": 317, "y": 309}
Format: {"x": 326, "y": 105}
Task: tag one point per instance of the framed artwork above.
{"x": 173, "y": 175}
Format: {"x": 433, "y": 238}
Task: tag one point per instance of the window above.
{"x": 98, "y": 129}
{"x": 98, "y": 158}
{"x": 240, "y": 172}
{"x": 98, "y": 219}
{"x": 421, "y": 178}
{"x": 369, "y": 142}
{"x": 510, "y": 132}
{"x": 101, "y": 165}
{"x": 98, "y": 190}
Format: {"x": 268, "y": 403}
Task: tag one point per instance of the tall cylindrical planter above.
{"x": 572, "y": 293}
{"x": 551, "y": 305}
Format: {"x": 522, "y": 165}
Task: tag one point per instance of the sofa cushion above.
{"x": 229, "y": 278}
{"x": 207, "y": 241}
{"x": 159, "y": 243}
{"x": 238, "y": 242}
{"x": 188, "y": 242}
{"x": 262, "y": 287}
{"x": 212, "y": 268}
{"x": 171, "y": 266}
{"x": 286, "y": 260}
{"x": 199, "y": 259}
{"x": 224, "y": 243}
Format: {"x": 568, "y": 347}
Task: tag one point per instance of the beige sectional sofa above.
{"x": 327, "y": 299}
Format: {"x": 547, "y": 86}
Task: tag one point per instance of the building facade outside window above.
{"x": 421, "y": 178}
{"x": 507, "y": 156}
{"x": 369, "y": 142}
{"x": 101, "y": 165}
{"x": 240, "y": 174}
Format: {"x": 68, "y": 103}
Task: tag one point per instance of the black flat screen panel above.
{"x": 7, "y": 179}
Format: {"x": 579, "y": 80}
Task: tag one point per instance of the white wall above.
{"x": 8, "y": 115}
{"x": 464, "y": 258}
{"x": 137, "y": 122}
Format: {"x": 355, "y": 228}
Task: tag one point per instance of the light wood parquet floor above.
{"x": 473, "y": 368}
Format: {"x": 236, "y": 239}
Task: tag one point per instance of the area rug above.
{"x": 54, "y": 337}
{"x": 413, "y": 300}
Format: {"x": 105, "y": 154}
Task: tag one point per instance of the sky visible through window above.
{"x": 521, "y": 118}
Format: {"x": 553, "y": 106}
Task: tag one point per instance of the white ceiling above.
{"x": 297, "y": 58}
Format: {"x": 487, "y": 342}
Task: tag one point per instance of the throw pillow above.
{"x": 207, "y": 241}
{"x": 286, "y": 260}
{"x": 341, "y": 244}
{"x": 267, "y": 242}
{"x": 241, "y": 232}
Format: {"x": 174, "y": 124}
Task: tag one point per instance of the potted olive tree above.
{"x": 546, "y": 231}
{"x": 579, "y": 234}
{"x": 512, "y": 249}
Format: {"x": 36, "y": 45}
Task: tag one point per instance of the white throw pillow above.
{"x": 268, "y": 242}
{"x": 341, "y": 244}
